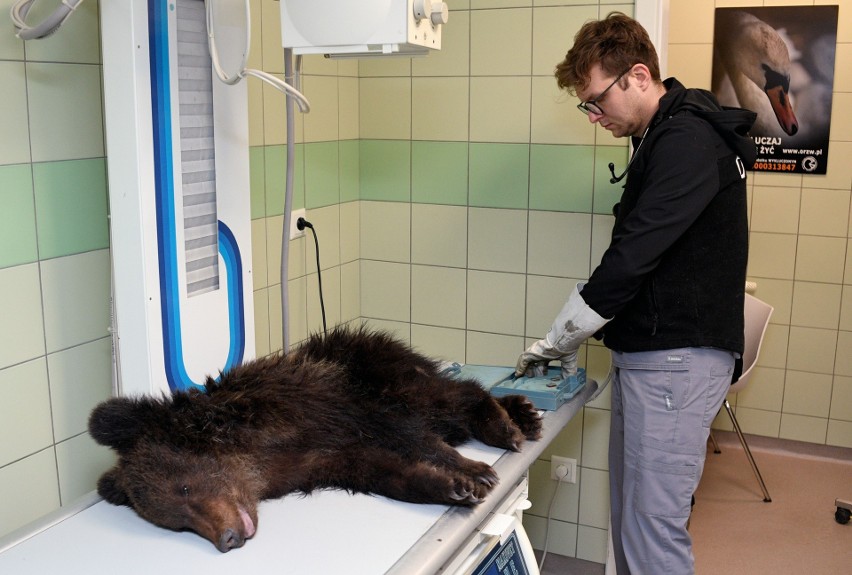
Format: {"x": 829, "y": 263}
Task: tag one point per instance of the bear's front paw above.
{"x": 524, "y": 414}
{"x": 472, "y": 490}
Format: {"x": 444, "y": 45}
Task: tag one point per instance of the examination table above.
{"x": 325, "y": 533}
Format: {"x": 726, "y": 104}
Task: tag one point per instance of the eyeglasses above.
{"x": 592, "y": 106}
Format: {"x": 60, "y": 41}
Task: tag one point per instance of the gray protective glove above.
{"x": 574, "y": 324}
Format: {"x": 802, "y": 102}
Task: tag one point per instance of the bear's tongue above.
{"x": 248, "y": 524}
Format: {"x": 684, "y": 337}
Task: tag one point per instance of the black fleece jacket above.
{"x": 674, "y": 273}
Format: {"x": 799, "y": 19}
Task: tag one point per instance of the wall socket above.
{"x": 295, "y": 232}
{"x": 571, "y": 464}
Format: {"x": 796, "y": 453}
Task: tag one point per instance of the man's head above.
{"x": 615, "y": 43}
{"x": 609, "y": 57}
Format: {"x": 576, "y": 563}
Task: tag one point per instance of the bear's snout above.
{"x": 230, "y": 539}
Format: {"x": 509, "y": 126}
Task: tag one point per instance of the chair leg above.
{"x": 747, "y": 451}
{"x": 715, "y": 443}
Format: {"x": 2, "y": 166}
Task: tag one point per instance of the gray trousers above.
{"x": 663, "y": 403}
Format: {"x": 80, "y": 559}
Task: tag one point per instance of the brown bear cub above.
{"x": 354, "y": 410}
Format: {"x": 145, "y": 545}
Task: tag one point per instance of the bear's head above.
{"x": 173, "y": 481}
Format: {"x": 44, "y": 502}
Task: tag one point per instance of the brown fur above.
{"x": 354, "y": 410}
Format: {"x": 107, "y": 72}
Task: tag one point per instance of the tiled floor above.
{"x": 736, "y": 533}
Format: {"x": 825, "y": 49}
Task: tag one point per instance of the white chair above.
{"x": 757, "y": 314}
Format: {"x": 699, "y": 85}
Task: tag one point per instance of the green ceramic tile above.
{"x": 65, "y": 115}
{"x": 439, "y": 172}
{"x": 322, "y": 186}
{"x": 561, "y": 178}
{"x": 257, "y": 179}
{"x": 349, "y": 158}
{"x": 385, "y": 170}
{"x": 14, "y": 128}
{"x": 71, "y": 206}
{"x": 499, "y": 175}
{"x": 606, "y": 194}
{"x": 275, "y": 170}
{"x": 78, "y": 40}
{"x": 17, "y": 218}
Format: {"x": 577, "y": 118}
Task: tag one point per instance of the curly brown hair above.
{"x": 617, "y": 42}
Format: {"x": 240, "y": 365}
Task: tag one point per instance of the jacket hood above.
{"x": 732, "y": 124}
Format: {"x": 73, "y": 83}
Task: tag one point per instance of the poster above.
{"x": 779, "y": 63}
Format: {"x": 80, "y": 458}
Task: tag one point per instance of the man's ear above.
{"x": 120, "y": 422}
{"x": 109, "y": 489}
{"x": 641, "y": 76}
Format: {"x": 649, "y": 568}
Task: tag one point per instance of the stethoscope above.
{"x": 615, "y": 179}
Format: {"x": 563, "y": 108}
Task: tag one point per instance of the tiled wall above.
{"x": 457, "y": 199}
{"x": 55, "y": 353}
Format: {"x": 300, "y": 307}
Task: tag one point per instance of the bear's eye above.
{"x": 185, "y": 490}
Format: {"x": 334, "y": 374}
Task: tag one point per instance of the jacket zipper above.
{"x": 656, "y": 315}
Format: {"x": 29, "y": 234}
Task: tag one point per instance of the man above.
{"x": 668, "y": 294}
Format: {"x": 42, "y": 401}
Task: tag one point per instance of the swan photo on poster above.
{"x": 779, "y": 63}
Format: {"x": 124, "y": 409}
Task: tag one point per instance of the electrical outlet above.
{"x": 570, "y": 464}
{"x": 295, "y": 232}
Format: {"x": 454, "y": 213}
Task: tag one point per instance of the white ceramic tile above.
{"x": 491, "y": 54}
{"x": 76, "y": 299}
{"x": 438, "y": 296}
{"x": 331, "y": 299}
{"x": 440, "y": 109}
{"x": 53, "y": 90}
{"x": 492, "y": 349}
{"x": 495, "y": 302}
{"x": 594, "y": 498}
{"x": 559, "y": 244}
{"x": 816, "y": 305}
{"x": 14, "y": 127}
{"x": 386, "y": 290}
{"x": 80, "y": 378}
{"x": 350, "y": 291}
{"x": 441, "y": 343}
{"x": 81, "y": 462}
{"x": 386, "y": 231}
{"x": 495, "y": 239}
{"x": 545, "y": 297}
{"x": 326, "y": 222}
{"x": 77, "y": 41}
{"x": 21, "y": 331}
{"x": 807, "y": 394}
{"x": 29, "y": 490}
{"x": 25, "y": 424}
{"x": 321, "y": 124}
{"x": 502, "y": 109}
{"x": 439, "y": 235}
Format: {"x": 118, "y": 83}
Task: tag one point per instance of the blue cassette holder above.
{"x": 547, "y": 392}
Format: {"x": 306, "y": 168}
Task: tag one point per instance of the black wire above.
{"x": 319, "y": 276}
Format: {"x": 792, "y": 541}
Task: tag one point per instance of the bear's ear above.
{"x": 108, "y": 488}
{"x": 120, "y": 422}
